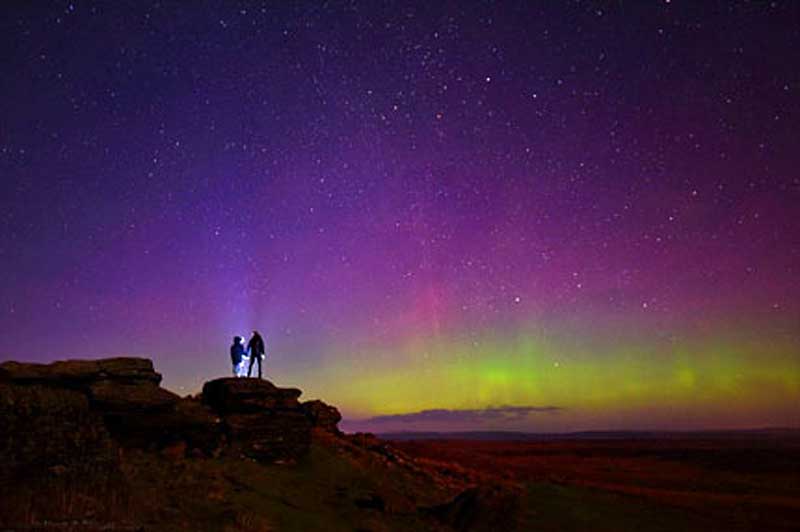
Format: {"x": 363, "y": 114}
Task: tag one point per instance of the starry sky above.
{"x": 441, "y": 215}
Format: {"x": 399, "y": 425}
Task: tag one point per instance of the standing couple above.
{"x": 255, "y": 352}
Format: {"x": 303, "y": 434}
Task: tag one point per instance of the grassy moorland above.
{"x": 690, "y": 483}
{"x": 327, "y": 490}
{"x": 438, "y": 485}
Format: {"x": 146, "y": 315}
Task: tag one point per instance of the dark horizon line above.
{"x": 585, "y": 434}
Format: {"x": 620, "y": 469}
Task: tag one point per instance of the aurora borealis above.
{"x": 472, "y": 216}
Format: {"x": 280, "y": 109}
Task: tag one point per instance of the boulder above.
{"x": 237, "y": 395}
{"x": 322, "y": 415}
{"x": 260, "y": 420}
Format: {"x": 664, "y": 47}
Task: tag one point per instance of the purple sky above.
{"x": 396, "y": 193}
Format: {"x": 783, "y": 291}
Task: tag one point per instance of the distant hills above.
{"x": 769, "y": 432}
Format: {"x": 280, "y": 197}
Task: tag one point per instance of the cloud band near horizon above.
{"x": 444, "y": 415}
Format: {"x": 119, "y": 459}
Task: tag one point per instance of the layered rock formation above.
{"x": 67, "y": 411}
{"x": 259, "y": 419}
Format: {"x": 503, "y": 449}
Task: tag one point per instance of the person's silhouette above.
{"x": 237, "y": 353}
{"x": 256, "y": 350}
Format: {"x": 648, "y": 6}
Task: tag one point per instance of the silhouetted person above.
{"x": 237, "y": 352}
{"x": 255, "y": 348}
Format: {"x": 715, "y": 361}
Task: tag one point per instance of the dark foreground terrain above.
{"x": 90, "y": 445}
{"x": 694, "y": 481}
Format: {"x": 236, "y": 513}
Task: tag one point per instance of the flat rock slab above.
{"x": 238, "y": 395}
{"x": 111, "y": 396}
{"x": 80, "y": 372}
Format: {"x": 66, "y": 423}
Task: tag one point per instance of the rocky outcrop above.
{"x": 322, "y": 416}
{"x": 233, "y": 395}
{"x": 82, "y": 410}
{"x": 259, "y": 419}
{"x": 114, "y": 385}
{"x": 74, "y": 435}
{"x": 99, "y": 445}
{"x": 58, "y": 414}
{"x": 265, "y": 422}
{"x": 120, "y": 397}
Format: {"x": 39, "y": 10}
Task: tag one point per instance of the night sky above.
{"x": 442, "y": 215}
